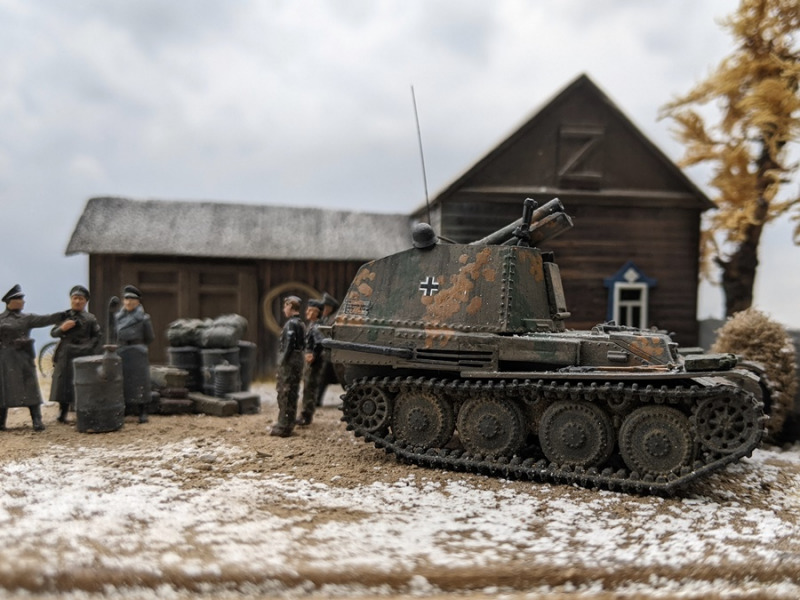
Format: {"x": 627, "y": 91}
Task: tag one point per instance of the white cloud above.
{"x": 86, "y": 167}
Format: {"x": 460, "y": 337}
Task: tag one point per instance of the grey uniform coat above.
{"x": 19, "y": 385}
{"x": 134, "y": 335}
{"x": 82, "y": 340}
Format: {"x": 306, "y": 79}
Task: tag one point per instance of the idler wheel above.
{"x": 576, "y": 434}
{"x": 423, "y": 419}
{"x": 491, "y": 426}
{"x": 726, "y": 424}
{"x": 655, "y": 440}
{"x": 367, "y": 407}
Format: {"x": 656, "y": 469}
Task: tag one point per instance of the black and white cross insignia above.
{"x": 429, "y": 287}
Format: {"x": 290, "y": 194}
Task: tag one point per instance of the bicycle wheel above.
{"x": 45, "y": 360}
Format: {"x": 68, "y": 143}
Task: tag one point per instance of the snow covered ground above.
{"x": 202, "y": 516}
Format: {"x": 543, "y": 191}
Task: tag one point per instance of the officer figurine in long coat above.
{"x": 19, "y": 385}
{"x": 290, "y": 367}
{"x": 78, "y": 335}
{"x": 134, "y": 335}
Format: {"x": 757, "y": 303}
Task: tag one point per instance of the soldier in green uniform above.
{"x": 290, "y": 367}
{"x": 79, "y": 335}
{"x": 327, "y": 375}
{"x": 312, "y": 373}
{"x": 19, "y": 385}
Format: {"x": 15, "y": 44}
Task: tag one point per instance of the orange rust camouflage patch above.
{"x": 481, "y": 260}
{"x": 360, "y": 282}
{"x": 440, "y": 337}
{"x": 535, "y": 267}
{"x": 449, "y": 301}
{"x": 648, "y": 346}
{"x": 475, "y": 305}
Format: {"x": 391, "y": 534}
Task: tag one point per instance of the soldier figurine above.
{"x": 134, "y": 335}
{"x": 19, "y": 385}
{"x": 313, "y": 360}
{"x": 79, "y": 335}
{"x": 327, "y": 374}
{"x": 290, "y": 367}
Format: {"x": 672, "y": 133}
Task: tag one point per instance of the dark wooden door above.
{"x": 172, "y": 291}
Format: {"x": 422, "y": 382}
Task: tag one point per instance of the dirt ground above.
{"x": 326, "y": 444}
{"x": 328, "y": 456}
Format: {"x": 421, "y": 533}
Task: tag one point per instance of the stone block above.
{"x": 175, "y": 406}
{"x": 249, "y": 402}
{"x": 216, "y": 407}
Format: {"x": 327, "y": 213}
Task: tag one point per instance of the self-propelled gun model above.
{"x": 456, "y": 356}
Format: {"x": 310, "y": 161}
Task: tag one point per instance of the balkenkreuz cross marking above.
{"x": 429, "y": 287}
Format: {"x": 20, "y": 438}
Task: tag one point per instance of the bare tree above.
{"x": 756, "y": 91}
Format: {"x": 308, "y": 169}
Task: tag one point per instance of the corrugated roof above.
{"x": 114, "y": 225}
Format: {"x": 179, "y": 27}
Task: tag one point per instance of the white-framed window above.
{"x": 630, "y": 304}
{"x": 629, "y": 296}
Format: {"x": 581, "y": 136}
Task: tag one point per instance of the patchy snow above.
{"x": 176, "y": 520}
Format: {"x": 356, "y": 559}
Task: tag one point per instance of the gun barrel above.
{"x": 546, "y": 229}
{"x": 504, "y": 233}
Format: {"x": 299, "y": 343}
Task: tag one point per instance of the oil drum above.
{"x": 226, "y": 380}
{"x": 187, "y": 358}
{"x": 99, "y": 398}
{"x": 211, "y": 357}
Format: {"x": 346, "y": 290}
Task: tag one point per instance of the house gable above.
{"x": 579, "y": 145}
{"x": 579, "y": 141}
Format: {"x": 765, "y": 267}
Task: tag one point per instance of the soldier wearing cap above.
{"x": 134, "y": 335}
{"x": 19, "y": 385}
{"x": 313, "y": 359}
{"x": 290, "y": 367}
{"x": 78, "y": 335}
{"x": 327, "y": 374}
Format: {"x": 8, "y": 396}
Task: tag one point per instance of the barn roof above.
{"x": 113, "y": 225}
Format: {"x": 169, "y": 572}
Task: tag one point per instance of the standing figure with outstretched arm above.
{"x": 19, "y": 385}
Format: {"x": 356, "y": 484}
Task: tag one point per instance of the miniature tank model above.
{"x": 456, "y": 356}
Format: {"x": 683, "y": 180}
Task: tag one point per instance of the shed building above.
{"x": 205, "y": 259}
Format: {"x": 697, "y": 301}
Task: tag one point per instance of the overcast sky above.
{"x": 308, "y": 103}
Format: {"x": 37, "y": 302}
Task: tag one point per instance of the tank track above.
{"x": 711, "y": 451}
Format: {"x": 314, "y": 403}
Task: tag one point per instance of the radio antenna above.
{"x": 421, "y": 154}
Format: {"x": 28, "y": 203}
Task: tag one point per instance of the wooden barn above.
{"x": 633, "y": 253}
{"x": 203, "y": 259}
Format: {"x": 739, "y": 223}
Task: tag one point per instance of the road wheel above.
{"x": 655, "y": 440}
{"x": 491, "y": 426}
{"x": 576, "y": 434}
{"x": 422, "y": 419}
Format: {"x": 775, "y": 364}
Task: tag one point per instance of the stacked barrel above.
{"x": 218, "y": 365}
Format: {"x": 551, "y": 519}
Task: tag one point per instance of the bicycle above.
{"x": 45, "y": 359}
